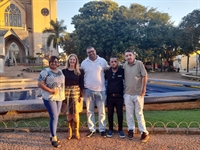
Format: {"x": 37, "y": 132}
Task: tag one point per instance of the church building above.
{"x": 21, "y": 25}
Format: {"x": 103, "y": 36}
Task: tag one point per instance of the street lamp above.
{"x": 197, "y": 60}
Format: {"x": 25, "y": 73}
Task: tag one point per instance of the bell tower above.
{"x": 43, "y": 11}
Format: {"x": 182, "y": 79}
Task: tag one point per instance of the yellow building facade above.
{"x": 21, "y": 26}
{"x": 193, "y": 61}
{"x": 181, "y": 61}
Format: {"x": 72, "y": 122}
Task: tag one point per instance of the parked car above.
{"x": 148, "y": 66}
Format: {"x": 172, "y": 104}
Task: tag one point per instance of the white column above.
{"x": 2, "y": 53}
{"x": 26, "y": 53}
{"x": 2, "y": 97}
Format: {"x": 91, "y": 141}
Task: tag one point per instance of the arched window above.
{"x": 12, "y": 16}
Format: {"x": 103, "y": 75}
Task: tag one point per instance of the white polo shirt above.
{"x": 94, "y": 73}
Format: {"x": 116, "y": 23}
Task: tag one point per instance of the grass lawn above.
{"x": 181, "y": 117}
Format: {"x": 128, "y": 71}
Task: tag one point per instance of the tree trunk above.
{"x": 161, "y": 65}
{"x": 188, "y": 57}
{"x": 57, "y": 49}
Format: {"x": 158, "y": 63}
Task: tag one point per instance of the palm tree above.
{"x": 57, "y": 30}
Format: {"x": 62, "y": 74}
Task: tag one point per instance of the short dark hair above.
{"x": 113, "y": 56}
{"x": 52, "y": 58}
{"x": 129, "y": 50}
{"x": 89, "y": 47}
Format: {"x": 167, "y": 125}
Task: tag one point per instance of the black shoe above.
{"x": 144, "y": 137}
{"x": 103, "y": 134}
{"x": 56, "y": 144}
{"x": 90, "y": 134}
{"x": 130, "y": 134}
{"x": 57, "y": 140}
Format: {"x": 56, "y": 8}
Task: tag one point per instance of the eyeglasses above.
{"x": 90, "y": 52}
{"x": 113, "y": 75}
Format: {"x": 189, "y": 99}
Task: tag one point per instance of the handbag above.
{"x": 64, "y": 107}
{"x": 79, "y": 105}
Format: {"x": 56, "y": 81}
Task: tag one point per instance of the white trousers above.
{"x": 134, "y": 105}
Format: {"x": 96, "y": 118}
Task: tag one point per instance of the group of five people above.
{"x": 68, "y": 87}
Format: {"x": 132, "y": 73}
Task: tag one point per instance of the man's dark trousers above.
{"x": 115, "y": 102}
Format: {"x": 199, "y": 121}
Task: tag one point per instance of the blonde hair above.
{"x": 76, "y": 68}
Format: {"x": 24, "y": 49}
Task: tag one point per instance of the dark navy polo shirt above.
{"x": 115, "y": 81}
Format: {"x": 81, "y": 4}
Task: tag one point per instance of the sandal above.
{"x": 56, "y": 144}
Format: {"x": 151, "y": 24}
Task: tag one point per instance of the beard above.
{"x": 115, "y": 68}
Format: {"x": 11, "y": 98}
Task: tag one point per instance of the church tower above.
{"x": 44, "y": 11}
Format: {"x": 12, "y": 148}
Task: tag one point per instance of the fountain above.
{"x": 23, "y": 94}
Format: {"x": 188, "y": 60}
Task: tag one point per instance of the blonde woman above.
{"x": 74, "y": 86}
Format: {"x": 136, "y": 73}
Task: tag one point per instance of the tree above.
{"x": 31, "y": 59}
{"x": 62, "y": 58}
{"x": 112, "y": 29}
{"x": 94, "y": 26}
{"x": 189, "y": 31}
{"x": 56, "y": 31}
{"x": 191, "y": 23}
{"x": 153, "y": 31}
{"x": 39, "y": 55}
{"x": 69, "y": 43}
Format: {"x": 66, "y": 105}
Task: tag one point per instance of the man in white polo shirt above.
{"x": 135, "y": 80}
{"x": 94, "y": 84}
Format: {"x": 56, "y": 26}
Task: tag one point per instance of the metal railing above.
{"x": 45, "y": 124}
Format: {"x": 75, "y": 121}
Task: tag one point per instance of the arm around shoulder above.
{"x": 81, "y": 83}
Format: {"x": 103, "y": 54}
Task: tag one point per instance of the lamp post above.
{"x": 42, "y": 61}
{"x": 196, "y": 65}
{"x": 197, "y": 60}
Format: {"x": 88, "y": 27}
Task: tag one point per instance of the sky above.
{"x": 176, "y": 9}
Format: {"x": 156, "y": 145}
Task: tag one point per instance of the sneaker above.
{"x": 110, "y": 133}
{"x": 144, "y": 137}
{"x": 130, "y": 134}
{"x": 103, "y": 133}
{"x": 90, "y": 133}
{"x": 121, "y": 134}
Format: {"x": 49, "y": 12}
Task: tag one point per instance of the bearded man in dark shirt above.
{"x": 115, "y": 87}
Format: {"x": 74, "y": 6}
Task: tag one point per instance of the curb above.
{"x": 187, "y": 131}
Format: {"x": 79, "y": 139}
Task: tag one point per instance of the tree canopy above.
{"x": 112, "y": 29}
{"x": 189, "y": 32}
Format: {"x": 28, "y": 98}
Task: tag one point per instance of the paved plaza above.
{"x": 40, "y": 141}
{"x": 14, "y": 71}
